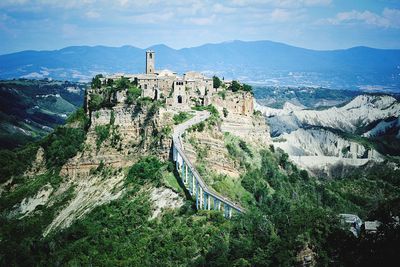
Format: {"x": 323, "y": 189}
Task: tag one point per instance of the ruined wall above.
{"x": 240, "y": 103}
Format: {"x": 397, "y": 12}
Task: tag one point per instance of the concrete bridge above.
{"x": 206, "y": 198}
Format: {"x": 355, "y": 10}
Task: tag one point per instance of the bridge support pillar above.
{"x": 205, "y": 201}
{"x": 183, "y": 171}
{"x": 186, "y": 175}
{"x": 201, "y": 196}
{"x": 197, "y": 196}
{"x": 193, "y": 182}
{"x": 190, "y": 184}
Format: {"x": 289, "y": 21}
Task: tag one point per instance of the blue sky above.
{"x": 315, "y": 24}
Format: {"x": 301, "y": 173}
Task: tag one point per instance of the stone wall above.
{"x": 239, "y": 103}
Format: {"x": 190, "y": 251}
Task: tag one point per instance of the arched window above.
{"x": 179, "y": 99}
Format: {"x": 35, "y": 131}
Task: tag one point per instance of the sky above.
{"x": 314, "y": 24}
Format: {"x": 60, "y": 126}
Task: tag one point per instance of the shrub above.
{"x": 132, "y": 94}
{"x": 122, "y": 83}
{"x": 235, "y": 86}
{"x": 222, "y": 94}
{"x": 96, "y": 83}
{"x": 181, "y": 117}
{"x": 225, "y": 111}
{"x": 79, "y": 116}
{"x": 102, "y": 133}
{"x": 247, "y": 88}
{"x": 245, "y": 148}
{"x": 95, "y": 102}
{"x": 146, "y": 170}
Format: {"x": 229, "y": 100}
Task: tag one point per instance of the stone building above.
{"x": 182, "y": 92}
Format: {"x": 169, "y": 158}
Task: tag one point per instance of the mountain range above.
{"x": 259, "y": 62}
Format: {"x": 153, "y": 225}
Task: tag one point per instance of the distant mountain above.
{"x": 262, "y": 62}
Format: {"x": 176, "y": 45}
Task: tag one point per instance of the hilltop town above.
{"x": 177, "y": 92}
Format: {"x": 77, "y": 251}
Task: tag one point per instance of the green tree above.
{"x": 132, "y": 94}
{"x": 247, "y": 88}
{"x": 96, "y": 83}
{"x": 235, "y": 86}
{"x": 110, "y": 82}
{"x": 216, "y": 82}
{"x": 123, "y": 83}
{"x": 95, "y": 102}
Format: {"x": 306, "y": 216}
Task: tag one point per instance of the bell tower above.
{"x": 150, "y": 62}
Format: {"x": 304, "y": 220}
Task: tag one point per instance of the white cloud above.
{"x": 92, "y": 14}
{"x": 219, "y": 8}
{"x": 151, "y": 18}
{"x": 69, "y": 30}
{"x": 390, "y": 18}
{"x": 283, "y": 3}
{"x": 280, "y": 15}
{"x": 393, "y": 16}
{"x": 200, "y": 21}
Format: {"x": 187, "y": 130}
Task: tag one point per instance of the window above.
{"x": 145, "y": 86}
{"x": 179, "y": 99}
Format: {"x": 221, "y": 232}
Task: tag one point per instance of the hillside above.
{"x": 30, "y": 109}
{"x": 351, "y": 133}
{"x": 103, "y": 190}
{"x": 262, "y": 62}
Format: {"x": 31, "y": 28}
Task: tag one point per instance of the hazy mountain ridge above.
{"x": 264, "y": 62}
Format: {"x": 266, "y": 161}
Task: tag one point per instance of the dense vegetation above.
{"x": 290, "y": 212}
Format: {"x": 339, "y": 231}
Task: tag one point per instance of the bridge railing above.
{"x": 206, "y": 198}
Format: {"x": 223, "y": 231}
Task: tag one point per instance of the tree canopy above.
{"x": 216, "y": 82}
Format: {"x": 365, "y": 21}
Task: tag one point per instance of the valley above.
{"x": 31, "y": 109}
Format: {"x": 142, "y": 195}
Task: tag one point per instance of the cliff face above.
{"x": 220, "y": 149}
{"x": 118, "y": 136}
{"x": 116, "y": 139}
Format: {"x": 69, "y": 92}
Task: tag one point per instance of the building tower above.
{"x": 150, "y": 62}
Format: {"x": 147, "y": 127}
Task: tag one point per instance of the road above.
{"x": 178, "y": 131}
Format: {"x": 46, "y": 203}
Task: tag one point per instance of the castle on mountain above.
{"x": 179, "y": 91}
